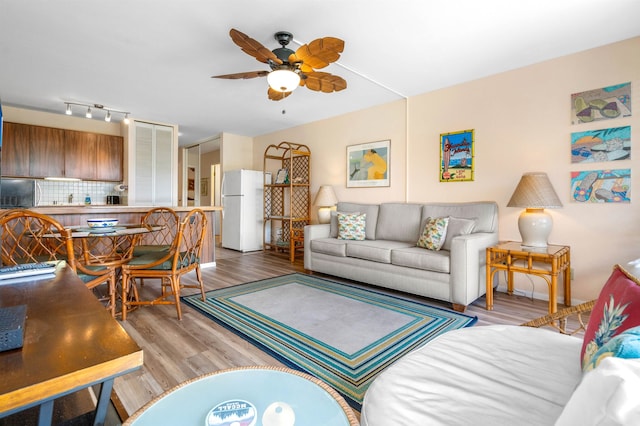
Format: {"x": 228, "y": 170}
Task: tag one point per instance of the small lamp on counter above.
{"x": 535, "y": 193}
{"x": 325, "y": 201}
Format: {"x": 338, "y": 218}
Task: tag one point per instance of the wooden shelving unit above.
{"x": 286, "y": 201}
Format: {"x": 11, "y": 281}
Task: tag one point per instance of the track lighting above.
{"x": 89, "y": 113}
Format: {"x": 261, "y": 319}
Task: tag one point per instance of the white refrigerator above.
{"x": 242, "y": 209}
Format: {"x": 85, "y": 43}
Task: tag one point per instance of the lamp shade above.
{"x": 326, "y": 197}
{"x": 535, "y": 191}
{"x": 283, "y": 80}
{"x": 325, "y": 200}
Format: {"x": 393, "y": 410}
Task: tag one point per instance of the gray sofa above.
{"x": 388, "y": 256}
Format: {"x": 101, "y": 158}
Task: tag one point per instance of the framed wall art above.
{"x": 456, "y": 156}
{"x": 368, "y": 164}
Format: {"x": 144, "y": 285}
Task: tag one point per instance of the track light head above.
{"x": 69, "y": 112}
{"x": 88, "y": 114}
{"x": 107, "y": 117}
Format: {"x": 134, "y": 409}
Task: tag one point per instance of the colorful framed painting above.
{"x": 601, "y": 104}
{"x": 456, "y": 156}
{"x": 368, "y": 164}
{"x": 601, "y": 145}
{"x": 601, "y": 186}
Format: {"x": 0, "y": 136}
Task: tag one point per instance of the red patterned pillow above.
{"x": 616, "y": 310}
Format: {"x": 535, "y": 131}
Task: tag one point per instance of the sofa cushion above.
{"x": 616, "y": 310}
{"x": 434, "y": 233}
{"x": 371, "y": 210}
{"x": 485, "y": 213}
{"x": 376, "y": 251}
{"x": 399, "y": 222}
{"x": 457, "y": 226}
{"x": 607, "y": 395}
{"x": 419, "y": 258}
{"x": 330, "y": 246}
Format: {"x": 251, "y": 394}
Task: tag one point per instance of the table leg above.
{"x": 509, "y": 282}
{"x": 489, "y": 293}
{"x": 567, "y": 285}
{"x": 46, "y": 413}
{"x": 103, "y": 402}
{"x": 553, "y": 294}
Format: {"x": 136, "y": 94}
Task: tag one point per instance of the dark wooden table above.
{"x": 70, "y": 343}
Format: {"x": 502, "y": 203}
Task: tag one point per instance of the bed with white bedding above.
{"x": 488, "y": 375}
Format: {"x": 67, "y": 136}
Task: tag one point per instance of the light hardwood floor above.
{"x": 176, "y": 351}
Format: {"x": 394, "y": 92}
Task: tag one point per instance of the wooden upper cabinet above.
{"x": 109, "y": 157}
{"x": 38, "y": 152}
{"x": 46, "y": 152}
{"x": 15, "y": 149}
{"x": 80, "y": 154}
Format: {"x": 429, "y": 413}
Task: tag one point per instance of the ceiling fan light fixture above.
{"x": 283, "y": 80}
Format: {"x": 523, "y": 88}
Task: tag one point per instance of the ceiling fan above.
{"x": 291, "y": 69}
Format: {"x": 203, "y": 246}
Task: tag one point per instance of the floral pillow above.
{"x": 351, "y": 226}
{"x": 434, "y": 233}
{"x": 616, "y": 310}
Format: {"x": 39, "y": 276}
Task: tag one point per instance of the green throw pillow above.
{"x": 434, "y": 233}
{"x": 351, "y": 226}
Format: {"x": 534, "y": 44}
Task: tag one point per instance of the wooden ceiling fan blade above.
{"x": 253, "y": 47}
{"x": 243, "y": 75}
{"x": 274, "y": 95}
{"x": 320, "y": 52}
{"x": 325, "y": 82}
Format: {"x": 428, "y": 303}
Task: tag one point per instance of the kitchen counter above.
{"x": 75, "y": 215}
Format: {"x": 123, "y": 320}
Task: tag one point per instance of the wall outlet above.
{"x": 573, "y": 274}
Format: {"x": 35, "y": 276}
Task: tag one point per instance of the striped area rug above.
{"x": 342, "y": 334}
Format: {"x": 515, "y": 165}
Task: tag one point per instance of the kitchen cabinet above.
{"x": 15, "y": 149}
{"x": 93, "y": 156}
{"x": 80, "y": 154}
{"x": 39, "y": 152}
{"x": 151, "y": 175}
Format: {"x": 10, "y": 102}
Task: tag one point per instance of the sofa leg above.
{"x": 459, "y": 308}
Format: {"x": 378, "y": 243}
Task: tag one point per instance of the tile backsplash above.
{"x": 74, "y": 192}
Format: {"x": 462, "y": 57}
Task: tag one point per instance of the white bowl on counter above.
{"x": 102, "y": 222}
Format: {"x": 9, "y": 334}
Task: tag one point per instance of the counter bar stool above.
{"x": 182, "y": 257}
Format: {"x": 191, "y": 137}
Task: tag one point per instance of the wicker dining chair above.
{"x": 183, "y": 257}
{"x": 159, "y": 241}
{"x": 30, "y": 237}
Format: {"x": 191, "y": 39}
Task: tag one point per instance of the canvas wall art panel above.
{"x": 601, "y": 186}
{"x": 601, "y": 104}
{"x": 601, "y": 145}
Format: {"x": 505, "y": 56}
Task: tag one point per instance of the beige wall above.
{"x": 522, "y": 123}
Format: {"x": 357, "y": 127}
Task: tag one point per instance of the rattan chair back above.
{"x": 183, "y": 257}
{"x": 30, "y": 237}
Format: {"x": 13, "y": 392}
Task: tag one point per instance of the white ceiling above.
{"x": 155, "y": 57}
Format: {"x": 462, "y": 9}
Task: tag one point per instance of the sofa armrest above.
{"x": 313, "y": 232}
{"x": 468, "y": 262}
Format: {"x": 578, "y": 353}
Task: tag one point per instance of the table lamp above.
{"x": 325, "y": 201}
{"x": 535, "y": 193}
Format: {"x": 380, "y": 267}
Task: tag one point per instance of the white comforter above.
{"x": 488, "y": 375}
